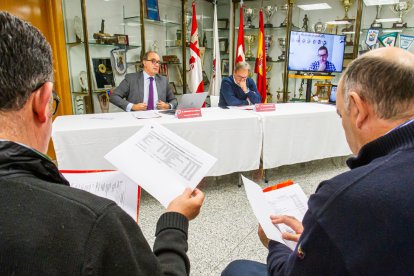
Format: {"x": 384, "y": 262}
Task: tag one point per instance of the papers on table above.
{"x": 242, "y": 107}
{"x": 290, "y": 200}
{"x": 146, "y": 114}
{"x": 161, "y": 162}
{"x": 113, "y": 185}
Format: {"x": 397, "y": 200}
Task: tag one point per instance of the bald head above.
{"x": 384, "y": 78}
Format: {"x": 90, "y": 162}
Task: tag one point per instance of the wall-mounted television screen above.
{"x": 316, "y": 52}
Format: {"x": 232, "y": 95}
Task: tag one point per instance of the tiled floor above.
{"x": 226, "y": 228}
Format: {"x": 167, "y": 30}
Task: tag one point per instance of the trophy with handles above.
{"x": 402, "y": 8}
{"x": 268, "y": 43}
{"x": 249, "y": 12}
{"x": 250, "y": 39}
{"x": 269, "y": 11}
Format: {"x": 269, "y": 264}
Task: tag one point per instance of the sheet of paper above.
{"x": 113, "y": 185}
{"x": 261, "y": 209}
{"x": 161, "y": 162}
{"x": 290, "y": 201}
{"x": 146, "y": 114}
{"x": 242, "y": 107}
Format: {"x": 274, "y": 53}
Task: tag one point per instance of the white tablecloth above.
{"x": 300, "y": 132}
{"x": 234, "y": 137}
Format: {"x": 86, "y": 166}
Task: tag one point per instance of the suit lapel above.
{"x": 160, "y": 90}
{"x": 140, "y": 85}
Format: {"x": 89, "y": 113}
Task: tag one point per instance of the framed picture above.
{"x": 225, "y": 67}
{"x": 152, "y": 10}
{"x": 222, "y": 23}
{"x": 173, "y": 88}
{"x": 223, "y": 45}
{"x": 103, "y": 73}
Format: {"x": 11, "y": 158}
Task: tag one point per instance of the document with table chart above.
{"x": 289, "y": 200}
{"x": 161, "y": 162}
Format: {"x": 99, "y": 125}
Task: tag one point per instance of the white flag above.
{"x": 215, "y": 84}
{"x": 195, "y": 72}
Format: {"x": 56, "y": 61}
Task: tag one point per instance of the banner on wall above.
{"x": 388, "y": 40}
{"x": 372, "y": 37}
{"x": 406, "y": 41}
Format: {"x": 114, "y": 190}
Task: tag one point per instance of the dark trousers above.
{"x": 245, "y": 267}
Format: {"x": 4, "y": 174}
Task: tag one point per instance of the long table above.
{"x": 294, "y": 133}
{"x": 232, "y": 136}
{"x": 301, "y": 132}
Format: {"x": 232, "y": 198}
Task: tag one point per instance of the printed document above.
{"x": 161, "y": 162}
{"x": 113, "y": 185}
{"x": 290, "y": 200}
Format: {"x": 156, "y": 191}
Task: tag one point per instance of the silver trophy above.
{"x": 284, "y": 8}
{"x": 250, "y": 39}
{"x": 282, "y": 44}
{"x": 269, "y": 11}
{"x": 268, "y": 43}
{"x": 319, "y": 27}
{"x": 249, "y": 12}
{"x": 376, "y": 24}
{"x": 401, "y": 9}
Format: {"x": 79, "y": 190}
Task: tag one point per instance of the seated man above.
{"x": 47, "y": 227}
{"x": 323, "y": 64}
{"x": 360, "y": 222}
{"x": 239, "y": 89}
{"x": 145, "y": 90}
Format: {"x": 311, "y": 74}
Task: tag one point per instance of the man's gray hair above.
{"x": 387, "y": 85}
{"x": 241, "y": 65}
{"x": 25, "y": 61}
{"x": 145, "y": 56}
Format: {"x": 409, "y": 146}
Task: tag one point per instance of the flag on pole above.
{"x": 195, "y": 73}
{"x": 215, "y": 83}
{"x": 260, "y": 68}
{"x": 240, "y": 39}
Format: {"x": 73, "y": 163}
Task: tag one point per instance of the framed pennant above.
{"x": 388, "y": 40}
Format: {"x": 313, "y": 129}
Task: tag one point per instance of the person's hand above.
{"x": 263, "y": 237}
{"x": 188, "y": 203}
{"x": 293, "y": 223}
{"x": 322, "y": 66}
{"x": 162, "y": 105}
{"x": 139, "y": 106}
{"x": 243, "y": 85}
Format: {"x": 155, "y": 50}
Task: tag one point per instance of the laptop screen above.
{"x": 332, "y": 98}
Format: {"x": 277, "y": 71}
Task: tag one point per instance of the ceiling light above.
{"x": 380, "y": 2}
{"x": 312, "y": 7}
{"x": 383, "y": 20}
{"x": 338, "y": 22}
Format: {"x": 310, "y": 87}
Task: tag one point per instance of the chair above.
{"x": 214, "y": 100}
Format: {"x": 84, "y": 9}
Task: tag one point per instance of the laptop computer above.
{"x": 332, "y": 97}
{"x": 190, "y": 100}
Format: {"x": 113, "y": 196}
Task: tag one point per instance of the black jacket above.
{"x": 48, "y": 228}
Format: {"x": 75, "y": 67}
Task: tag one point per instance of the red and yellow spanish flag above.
{"x": 260, "y": 68}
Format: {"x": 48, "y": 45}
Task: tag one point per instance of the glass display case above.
{"x": 102, "y": 46}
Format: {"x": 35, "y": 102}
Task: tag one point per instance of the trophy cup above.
{"x": 401, "y": 9}
{"x": 269, "y": 11}
{"x": 347, "y": 5}
{"x": 376, "y": 24}
{"x": 249, "y": 17}
{"x": 268, "y": 43}
{"x": 284, "y": 8}
{"x": 282, "y": 44}
{"x": 250, "y": 39}
{"x": 268, "y": 68}
{"x": 178, "y": 40}
{"x": 269, "y": 96}
{"x": 319, "y": 27}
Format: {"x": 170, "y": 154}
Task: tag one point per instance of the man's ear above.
{"x": 358, "y": 108}
{"x": 41, "y": 102}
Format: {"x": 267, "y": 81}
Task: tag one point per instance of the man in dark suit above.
{"x": 239, "y": 89}
{"x": 145, "y": 90}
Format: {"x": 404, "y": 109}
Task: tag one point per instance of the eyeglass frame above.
{"x": 154, "y": 61}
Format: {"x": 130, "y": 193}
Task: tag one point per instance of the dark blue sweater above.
{"x": 232, "y": 95}
{"x": 360, "y": 222}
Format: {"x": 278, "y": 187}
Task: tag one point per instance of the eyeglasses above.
{"x": 324, "y": 55}
{"x": 240, "y": 77}
{"x": 55, "y": 103}
{"x": 154, "y": 61}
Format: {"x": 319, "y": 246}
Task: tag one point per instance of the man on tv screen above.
{"x": 322, "y": 65}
